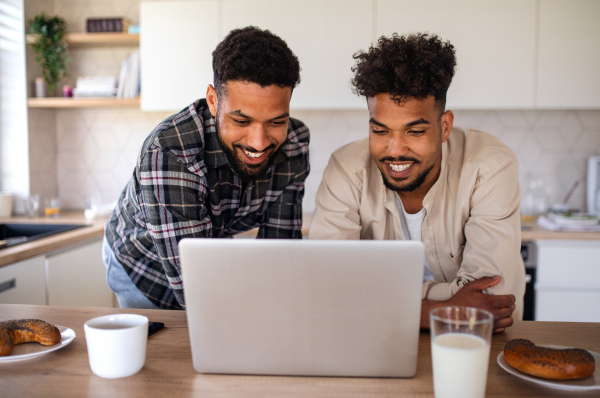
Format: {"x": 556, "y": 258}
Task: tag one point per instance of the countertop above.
{"x": 92, "y": 230}
{"x": 95, "y": 230}
{"x": 535, "y": 232}
{"x": 168, "y": 370}
{"x": 531, "y": 232}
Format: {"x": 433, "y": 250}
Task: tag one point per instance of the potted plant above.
{"x": 50, "y": 48}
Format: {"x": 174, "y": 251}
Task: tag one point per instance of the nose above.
{"x": 396, "y": 146}
{"x": 258, "y": 138}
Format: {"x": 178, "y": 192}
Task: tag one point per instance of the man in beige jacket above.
{"x": 416, "y": 177}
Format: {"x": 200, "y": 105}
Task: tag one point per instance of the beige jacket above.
{"x": 472, "y": 225}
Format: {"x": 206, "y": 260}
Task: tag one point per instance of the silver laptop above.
{"x": 302, "y": 307}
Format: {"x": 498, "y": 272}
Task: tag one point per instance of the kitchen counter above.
{"x": 92, "y": 230}
{"x": 168, "y": 370}
{"x": 535, "y": 232}
{"x": 531, "y": 233}
{"x": 95, "y": 230}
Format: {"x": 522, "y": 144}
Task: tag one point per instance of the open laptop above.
{"x": 303, "y": 307}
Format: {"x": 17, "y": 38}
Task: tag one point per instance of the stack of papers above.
{"x": 95, "y": 86}
{"x": 562, "y": 223}
{"x": 129, "y": 79}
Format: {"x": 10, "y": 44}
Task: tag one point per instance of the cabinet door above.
{"x": 568, "y": 281}
{"x": 176, "y": 44}
{"x": 567, "y": 306}
{"x": 569, "y": 54}
{"x": 494, "y": 42}
{"x": 24, "y": 282}
{"x": 323, "y": 34}
{"x": 77, "y": 277}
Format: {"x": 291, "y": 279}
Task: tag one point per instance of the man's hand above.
{"x": 470, "y": 295}
{"x": 502, "y": 307}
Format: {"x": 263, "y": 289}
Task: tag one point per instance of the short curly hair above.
{"x": 413, "y": 66}
{"x": 257, "y": 56}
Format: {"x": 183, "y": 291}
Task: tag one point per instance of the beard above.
{"x": 409, "y": 187}
{"x": 246, "y": 172}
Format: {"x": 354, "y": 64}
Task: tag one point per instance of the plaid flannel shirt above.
{"x": 183, "y": 187}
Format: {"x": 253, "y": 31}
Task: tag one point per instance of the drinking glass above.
{"x": 33, "y": 205}
{"x": 52, "y": 207}
{"x": 460, "y": 349}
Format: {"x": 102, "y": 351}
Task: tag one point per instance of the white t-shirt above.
{"x": 411, "y": 230}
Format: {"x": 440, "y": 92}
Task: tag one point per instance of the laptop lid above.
{"x": 303, "y": 307}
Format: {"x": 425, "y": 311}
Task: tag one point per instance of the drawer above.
{"x": 568, "y": 264}
{"x": 567, "y": 306}
{"x": 24, "y": 282}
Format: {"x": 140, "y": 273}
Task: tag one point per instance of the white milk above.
{"x": 460, "y": 364}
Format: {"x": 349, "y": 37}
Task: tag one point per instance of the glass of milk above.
{"x": 460, "y": 349}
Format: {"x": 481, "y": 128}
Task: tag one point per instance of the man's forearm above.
{"x": 426, "y": 307}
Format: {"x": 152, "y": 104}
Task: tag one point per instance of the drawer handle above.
{"x": 7, "y": 285}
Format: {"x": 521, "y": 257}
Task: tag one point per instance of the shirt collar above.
{"x": 213, "y": 153}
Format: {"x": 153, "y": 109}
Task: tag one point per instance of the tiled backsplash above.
{"x": 95, "y": 150}
{"x": 76, "y": 152}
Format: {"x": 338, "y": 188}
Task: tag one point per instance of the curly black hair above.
{"x": 254, "y": 55}
{"x": 413, "y": 66}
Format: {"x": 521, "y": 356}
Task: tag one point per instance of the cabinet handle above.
{"x": 7, "y": 285}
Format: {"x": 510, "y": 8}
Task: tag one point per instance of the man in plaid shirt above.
{"x": 225, "y": 164}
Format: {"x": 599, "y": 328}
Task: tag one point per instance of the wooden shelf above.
{"x": 97, "y": 39}
{"x": 58, "y": 102}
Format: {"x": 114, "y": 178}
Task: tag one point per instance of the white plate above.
{"x": 33, "y": 350}
{"x": 589, "y": 383}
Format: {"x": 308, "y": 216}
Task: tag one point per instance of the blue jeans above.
{"x": 118, "y": 281}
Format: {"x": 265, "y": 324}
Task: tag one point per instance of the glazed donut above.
{"x": 549, "y": 363}
{"x": 24, "y": 331}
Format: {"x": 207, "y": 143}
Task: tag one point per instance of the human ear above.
{"x": 212, "y": 100}
{"x": 447, "y": 121}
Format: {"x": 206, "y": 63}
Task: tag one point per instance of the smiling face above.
{"x": 252, "y": 123}
{"x": 405, "y": 142}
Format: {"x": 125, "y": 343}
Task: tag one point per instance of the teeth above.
{"x": 400, "y": 167}
{"x": 253, "y": 154}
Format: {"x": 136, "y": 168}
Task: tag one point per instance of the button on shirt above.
{"x": 182, "y": 186}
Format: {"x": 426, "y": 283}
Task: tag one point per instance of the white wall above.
{"x": 96, "y": 149}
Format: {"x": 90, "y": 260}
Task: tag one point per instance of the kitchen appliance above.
{"x": 593, "y": 185}
{"x": 528, "y": 252}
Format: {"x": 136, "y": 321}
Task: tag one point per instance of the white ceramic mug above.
{"x": 116, "y": 344}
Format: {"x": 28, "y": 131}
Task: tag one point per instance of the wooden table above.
{"x": 169, "y": 373}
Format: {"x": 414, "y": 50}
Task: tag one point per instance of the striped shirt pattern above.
{"x": 183, "y": 187}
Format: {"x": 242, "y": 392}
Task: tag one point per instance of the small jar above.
{"x": 67, "y": 91}
{"x": 41, "y": 87}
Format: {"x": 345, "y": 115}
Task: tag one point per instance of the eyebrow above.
{"x": 413, "y": 123}
{"x": 372, "y": 120}
{"x": 242, "y": 114}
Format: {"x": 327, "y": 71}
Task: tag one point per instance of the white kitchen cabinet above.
{"x": 24, "y": 282}
{"x": 323, "y": 34}
{"x": 569, "y": 54}
{"x": 77, "y": 277}
{"x": 494, "y": 43}
{"x": 176, "y": 45}
{"x": 568, "y": 281}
